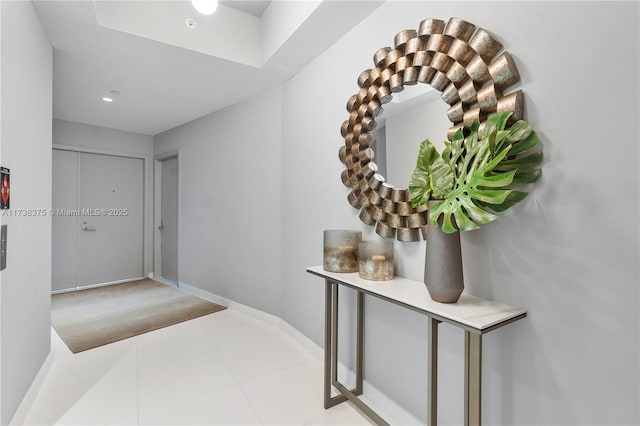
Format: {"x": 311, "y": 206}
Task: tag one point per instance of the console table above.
{"x": 476, "y": 316}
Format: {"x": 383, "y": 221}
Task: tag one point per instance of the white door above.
{"x": 111, "y": 236}
{"x": 102, "y": 225}
{"x": 169, "y": 219}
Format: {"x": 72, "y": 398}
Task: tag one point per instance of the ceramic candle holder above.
{"x": 341, "y": 250}
{"x": 375, "y": 260}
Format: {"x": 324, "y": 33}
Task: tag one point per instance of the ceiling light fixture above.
{"x": 205, "y": 7}
{"x": 110, "y": 96}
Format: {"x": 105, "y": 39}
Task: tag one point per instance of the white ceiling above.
{"x": 166, "y": 83}
{"x": 254, "y": 8}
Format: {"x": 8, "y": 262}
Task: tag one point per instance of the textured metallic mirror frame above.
{"x": 454, "y": 58}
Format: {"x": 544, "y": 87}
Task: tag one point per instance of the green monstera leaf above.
{"x": 432, "y": 178}
{"x": 473, "y": 177}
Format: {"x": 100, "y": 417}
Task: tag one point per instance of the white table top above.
{"x": 470, "y": 312}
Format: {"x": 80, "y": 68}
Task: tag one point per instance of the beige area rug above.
{"x": 86, "y": 319}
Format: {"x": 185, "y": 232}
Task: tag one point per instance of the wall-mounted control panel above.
{"x": 3, "y": 247}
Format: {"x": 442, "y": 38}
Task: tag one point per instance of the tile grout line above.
{"x": 237, "y": 382}
{"x": 255, "y": 412}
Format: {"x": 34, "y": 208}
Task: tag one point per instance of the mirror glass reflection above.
{"x": 413, "y": 115}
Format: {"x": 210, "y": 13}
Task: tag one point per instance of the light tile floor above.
{"x": 222, "y": 369}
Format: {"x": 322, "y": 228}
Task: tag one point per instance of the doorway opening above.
{"x": 167, "y": 217}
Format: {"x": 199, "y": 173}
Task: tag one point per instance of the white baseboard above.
{"x": 253, "y": 312}
{"x": 166, "y": 281}
{"x": 23, "y": 409}
{"x": 67, "y": 290}
{"x": 315, "y": 349}
{"x": 386, "y": 407}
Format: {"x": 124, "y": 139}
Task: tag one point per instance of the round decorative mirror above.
{"x": 455, "y": 59}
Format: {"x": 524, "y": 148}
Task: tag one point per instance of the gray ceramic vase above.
{"x": 443, "y": 265}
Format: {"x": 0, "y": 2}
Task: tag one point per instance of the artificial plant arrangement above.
{"x": 474, "y": 176}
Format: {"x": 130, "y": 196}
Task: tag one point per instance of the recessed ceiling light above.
{"x": 191, "y": 23}
{"x": 205, "y": 7}
{"x": 109, "y": 97}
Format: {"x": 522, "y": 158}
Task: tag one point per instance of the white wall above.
{"x": 230, "y": 201}
{"x": 26, "y": 98}
{"x": 280, "y": 20}
{"x": 96, "y": 137}
{"x": 265, "y": 174}
{"x": 568, "y": 253}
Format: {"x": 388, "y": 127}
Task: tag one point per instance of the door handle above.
{"x": 86, "y": 228}
{"x": 161, "y": 227}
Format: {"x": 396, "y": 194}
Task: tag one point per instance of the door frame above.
{"x": 157, "y": 208}
{"x": 147, "y": 222}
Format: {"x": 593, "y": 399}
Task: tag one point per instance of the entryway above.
{"x": 167, "y": 178}
{"x": 98, "y": 218}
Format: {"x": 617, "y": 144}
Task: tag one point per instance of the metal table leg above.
{"x": 359, "y": 344}
{"x": 330, "y": 343}
{"x": 432, "y": 372}
{"x": 331, "y": 355}
{"x": 334, "y": 334}
{"x": 472, "y": 379}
